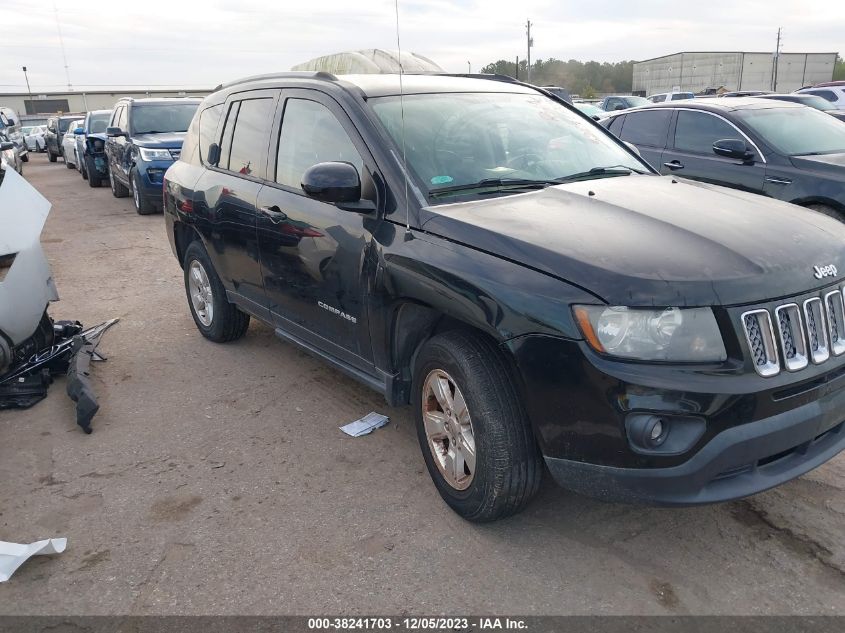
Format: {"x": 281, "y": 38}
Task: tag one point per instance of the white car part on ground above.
{"x": 13, "y": 555}
{"x": 26, "y": 287}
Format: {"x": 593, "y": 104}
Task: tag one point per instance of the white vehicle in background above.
{"x": 33, "y": 138}
{"x": 670, "y": 96}
{"x": 69, "y": 144}
{"x": 832, "y": 91}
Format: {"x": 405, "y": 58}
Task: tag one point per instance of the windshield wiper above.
{"x": 598, "y": 172}
{"x": 497, "y": 184}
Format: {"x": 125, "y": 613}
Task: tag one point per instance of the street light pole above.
{"x": 28, "y": 90}
{"x": 530, "y": 44}
{"x": 469, "y": 68}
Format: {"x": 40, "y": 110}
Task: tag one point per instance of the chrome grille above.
{"x": 793, "y": 344}
{"x": 761, "y": 341}
{"x": 816, "y": 330}
{"x": 811, "y": 331}
{"x": 835, "y": 312}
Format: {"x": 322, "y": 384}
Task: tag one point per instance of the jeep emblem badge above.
{"x": 824, "y": 271}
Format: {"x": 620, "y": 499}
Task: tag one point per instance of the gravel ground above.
{"x": 217, "y": 482}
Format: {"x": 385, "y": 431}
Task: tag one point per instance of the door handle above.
{"x": 275, "y": 214}
{"x": 674, "y": 165}
{"x": 778, "y": 181}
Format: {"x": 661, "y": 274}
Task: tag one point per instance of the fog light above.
{"x": 656, "y": 431}
{"x": 662, "y": 435}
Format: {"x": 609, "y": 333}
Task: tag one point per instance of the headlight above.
{"x": 155, "y": 154}
{"x": 684, "y": 335}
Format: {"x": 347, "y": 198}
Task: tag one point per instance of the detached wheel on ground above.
{"x": 91, "y": 172}
{"x": 827, "y": 210}
{"x": 142, "y": 205}
{"x": 216, "y": 318}
{"x": 117, "y": 189}
{"x": 474, "y": 432}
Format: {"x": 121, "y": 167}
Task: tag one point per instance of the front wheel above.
{"x": 828, "y": 211}
{"x": 92, "y": 173}
{"x": 142, "y": 204}
{"x": 117, "y": 189}
{"x": 51, "y": 156}
{"x": 215, "y": 318}
{"x": 474, "y": 432}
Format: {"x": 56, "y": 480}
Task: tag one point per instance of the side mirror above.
{"x": 213, "y": 154}
{"x": 732, "y": 148}
{"x": 79, "y": 130}
{"x": 6, "y": 145}
{"x": 596, "y": 117}
{"x": 633, "y": 148}
{"x": 114, "y": 131}
{"x": 334, "y": 182}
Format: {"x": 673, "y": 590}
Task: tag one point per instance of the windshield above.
{"x": 797, "y": 131}
{"x": 27, "y": 130}
{"x": 589, "y": 109}
{"x": 459, "y": 139}
{"x": 165, "y": 117}
{"x": 97, "y": 123}
{"x": 635, "y": 102}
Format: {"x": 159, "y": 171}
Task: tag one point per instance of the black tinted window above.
{"x": 251, "y": 138}
{"x": 64, "y": 124}
{"x": 226, "y": 143}
{"x": 152, "y": 118}
{"x": 209, "y": 119}
{"x": 647, "y": 128}
{"x": 824, "y": 94}
{"x": 616, "y": 124}
{"x": 311, "y": 134}
{"x": 697, "y": 131}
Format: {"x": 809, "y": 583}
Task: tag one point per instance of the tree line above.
{"x": 583, "y": 78}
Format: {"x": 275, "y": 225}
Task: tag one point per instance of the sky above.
{"x": 190, "y": 44}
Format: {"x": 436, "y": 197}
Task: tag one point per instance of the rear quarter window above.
{"x": 647, "y": 128}
{"x": 209, "y": 120}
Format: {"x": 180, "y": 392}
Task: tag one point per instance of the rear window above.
{"x": 64, "y": 124}
{"x": 647, "y": 128}
{"x": 97, "y": 123}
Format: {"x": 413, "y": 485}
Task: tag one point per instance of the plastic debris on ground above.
{"x": 365, "y": 425}
{"x": 13, "y": 555}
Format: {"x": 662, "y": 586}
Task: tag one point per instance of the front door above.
{"x": 314, "y": 254}
{"x": 692, "y": 155}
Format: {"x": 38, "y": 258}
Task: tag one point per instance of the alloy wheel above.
{"x": 202, "y": 298}
{"x": 448, "y": 429}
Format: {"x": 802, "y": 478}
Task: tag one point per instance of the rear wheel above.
{"x": 83, "y": 169}
{"x": 69, "y": 164}
{"x": 142, "y": 204}
{"x": 51, "y": 156}
{"x": 215, "y": 318}
{"x": 117, "y": 190}
{"x": 472, "y": 427}
{"x": 827, "y": 210}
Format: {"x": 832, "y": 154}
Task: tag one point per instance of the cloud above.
{"x": 197, "y": 44}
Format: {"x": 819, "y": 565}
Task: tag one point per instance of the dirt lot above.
{"x": 216, "y": 481}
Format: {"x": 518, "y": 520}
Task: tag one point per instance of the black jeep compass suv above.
{"x": 487, "y": 254}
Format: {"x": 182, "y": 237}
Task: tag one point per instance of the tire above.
{"x": 827, "y": 210}
{"x": 90, "y": 171}
{"x": 83, "y": 167}
{"x": 142, "y": 205}
{"x": 25, "y": 157}
{"x": 51, "y": 156}
{"x": 508, "y": 464}
{"x": 117, "y": 189}
{"x": 225, "y": 322}
{"x": 69, "y": 164}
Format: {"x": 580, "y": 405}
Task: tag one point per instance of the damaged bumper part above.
{"x": 33, "y": 348}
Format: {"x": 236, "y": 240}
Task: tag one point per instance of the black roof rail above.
{"x": 302, "y": 74}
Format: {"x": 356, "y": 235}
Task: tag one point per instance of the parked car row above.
{"x": 131, "y": 145}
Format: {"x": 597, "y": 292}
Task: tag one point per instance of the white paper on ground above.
{"x": 13, "y": 555}
{"x": 365, "y": 425}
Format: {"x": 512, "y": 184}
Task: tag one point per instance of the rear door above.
{"x": 117, "y": 144}
{"x": 314, "y": 254}
{"x": 231, "y": 190}
{"x": 648, "y": 130}
{"x": 691, "y": 155}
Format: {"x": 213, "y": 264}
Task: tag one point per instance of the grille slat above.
{"x": 816, "y": 330}
{"x": 791, "y": 332}
{"x": 759, "y": 334}
{"x": 835, "y": 312}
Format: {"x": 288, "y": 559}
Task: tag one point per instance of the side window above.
{"x": 647, "y": 128}
{"x": 612, "y": 103}
{"x": 659, "y": 98}
{"x": 824, "y": 94}
{"x": 311, "y": 134}
{"x": 697, "y": 131}
{"x": 226, "y": 143}
{"x": 251, "y": 137}
{"x": 121, "y": 118}
{"x": 209, "y": 119}
{"x": 616, "y": 124}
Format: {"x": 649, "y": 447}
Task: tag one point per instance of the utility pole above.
{"x": 29, "y": 92}
{"x": 516, "y": 69}
{"x": 530, "y": 44}
{"x": 775, "y": 63}
{"x": 469, "y": 68}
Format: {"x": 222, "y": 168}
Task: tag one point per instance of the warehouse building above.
{"x": 82, "y": 101}
{"x": 699, "y": 72}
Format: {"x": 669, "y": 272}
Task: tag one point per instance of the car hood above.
{"x": 824, "y": 163}
{"x": 164, "y": 140}
{"x": 651, "y": 240}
